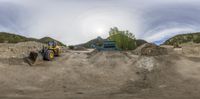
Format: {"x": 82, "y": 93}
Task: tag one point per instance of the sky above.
{"x": 77, "y": 21}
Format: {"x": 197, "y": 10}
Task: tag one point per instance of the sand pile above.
{"x": 102, "y": 69}
{"x": 19, "y": 50}
{"x": 149, "y": 49}
{"x": 13, "y": 54}
{"x": 129, "y": 73}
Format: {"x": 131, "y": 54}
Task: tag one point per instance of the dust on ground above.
{"x": 102, "y": 75}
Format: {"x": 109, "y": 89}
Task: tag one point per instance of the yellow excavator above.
{"x": 47, "y": 53}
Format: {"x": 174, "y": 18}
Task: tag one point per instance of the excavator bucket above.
{"x": 34, "y": 58}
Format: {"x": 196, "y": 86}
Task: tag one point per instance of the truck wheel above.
{"x": 49, "y": 55}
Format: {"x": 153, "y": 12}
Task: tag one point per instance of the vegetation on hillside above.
{"x": 47, "y": 39}
{"x": 14, "y": 38}
{"x": 124, "y": 39}
{"x": 183, "y": 38}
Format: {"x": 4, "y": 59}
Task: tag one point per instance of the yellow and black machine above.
{"x": 52, "y": 50}
{"x": 47, "y": 53}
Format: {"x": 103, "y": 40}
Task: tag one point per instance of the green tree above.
{"x": 125, "y": 40}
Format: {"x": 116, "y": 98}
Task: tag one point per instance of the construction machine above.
{"x": 108, "y": 46}
{"x": 47, "y": 53}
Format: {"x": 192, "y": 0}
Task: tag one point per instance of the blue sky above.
{"x": 77, "y": 21}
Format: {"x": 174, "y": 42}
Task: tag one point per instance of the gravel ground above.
{"x": 102, "y": 75}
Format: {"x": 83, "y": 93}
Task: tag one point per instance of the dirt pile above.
{"x": 19, "y": 50}
{"x": 14, "y": 54}
{"x": 102, "y": 69}
{"x": 149, "y": 49}
{"x": 131, "y": 74}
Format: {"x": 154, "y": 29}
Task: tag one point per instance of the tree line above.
{"x": 125, "y": 40}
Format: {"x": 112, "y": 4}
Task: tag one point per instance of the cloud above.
{"x": 11, "y": 18}
{"x": 77, "y": 21}
{"x": 169, "y": 20}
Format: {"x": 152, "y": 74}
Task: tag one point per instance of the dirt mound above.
{"x": 115, "y": 71}
{"x": 19, "y": 50}
{"x": 14, "y": 54}
{"x": 151, "y": 74}
{"x": 149, "y": 49}
{"x": 133, "y": 73}
{"x": 102, "y": 69}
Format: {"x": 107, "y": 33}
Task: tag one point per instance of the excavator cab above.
{"x": 52, "y": 44}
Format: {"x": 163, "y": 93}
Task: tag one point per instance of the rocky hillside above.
{"x": 14, "y": 38}
{"x": 47, "y": 39}
{"x": 97, "y": 41}
{"x": 140, "y": 42}
{"x": 184, "y": 38}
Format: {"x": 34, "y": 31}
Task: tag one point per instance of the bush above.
{"x": 124, "y": 39}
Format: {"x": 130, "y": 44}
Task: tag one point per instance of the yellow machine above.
{"x": 51, "y": 51}
{"x": 47, "y": 53}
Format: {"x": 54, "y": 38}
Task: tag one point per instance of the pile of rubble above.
{"x": 19, "y": 50}
{"x": 149, "y": 49}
